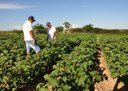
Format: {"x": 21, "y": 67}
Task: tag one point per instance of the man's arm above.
{"x": 54, "y": 35}
{"x": 32, "y": 36}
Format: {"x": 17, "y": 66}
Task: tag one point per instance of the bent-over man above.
{"x": 29, "y": 36}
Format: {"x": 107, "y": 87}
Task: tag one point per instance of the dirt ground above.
{"x": 108, "y": 83}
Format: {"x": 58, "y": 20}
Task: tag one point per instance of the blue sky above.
{"x": 100, "y": 13}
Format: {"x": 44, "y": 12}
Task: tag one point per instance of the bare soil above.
{"x": 108, "y": 83}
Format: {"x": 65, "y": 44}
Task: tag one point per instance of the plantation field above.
{"x": 69, "y": 65}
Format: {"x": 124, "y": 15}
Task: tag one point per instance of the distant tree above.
{"x": 88, "y": 28}
{"x": 17, "y": 31}
{"x": 97, "y": 30}
{"x": 59, "y": 29}
{"x": 75, "y": 30}
{"x": 67, "y": 25}
{"x": 39, "y": 28}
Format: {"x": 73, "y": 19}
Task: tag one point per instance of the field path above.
{"x": 108, "y": 83}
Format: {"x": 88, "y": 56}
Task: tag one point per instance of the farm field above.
{"x": 69, "y": 65}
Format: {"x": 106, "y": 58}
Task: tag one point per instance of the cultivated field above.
{"x": 71, "y": 64}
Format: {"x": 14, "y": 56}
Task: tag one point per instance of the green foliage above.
{"x": 75, "y": 30}
{"x": 67, "y": 25}
{"x": 116, "y": 50}
{"x": 17, "y": 31}
{"x": 59, "y": 29}
{"x": 88, "y": 28}
{"x": 76, "y": 71}
{"x": 39, "y": 28}
{"x": 68, "y": 65}
{"x": 16, "y": 72}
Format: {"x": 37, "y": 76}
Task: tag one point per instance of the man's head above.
{"x": 31, "y": 19}
{"x": 48, "y": 24}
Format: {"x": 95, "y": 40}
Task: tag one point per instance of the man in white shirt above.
{"x": 29, "y": 36}
{"x": 51, "y": 33}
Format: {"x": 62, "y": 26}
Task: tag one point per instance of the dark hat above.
{"x": 31, "y": 18}
{"x": 48, "y": 23}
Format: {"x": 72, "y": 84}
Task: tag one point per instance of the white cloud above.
{"x": 8, "y": 6}
{"x": 75, "y": 26}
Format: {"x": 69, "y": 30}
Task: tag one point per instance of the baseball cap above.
{"x": 48, "y": 23}
{"x": 31, "y": 18}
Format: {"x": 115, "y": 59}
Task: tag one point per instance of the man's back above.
{"x": 26, "y": 28}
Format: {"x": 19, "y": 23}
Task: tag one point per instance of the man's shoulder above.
{"x": 26, "y": 23}
{"x": 27, "y": 26}
{"x": 53, "y": 28}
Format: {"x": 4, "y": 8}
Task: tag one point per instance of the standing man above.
{"x": 51, "y": 33}
{"x": 29, "y": 36}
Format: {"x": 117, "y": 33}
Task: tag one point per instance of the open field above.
{"x": 71, "y": 64}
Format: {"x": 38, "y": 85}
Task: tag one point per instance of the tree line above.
{"x": 67, "y": 28}
{"x": 89, "y": 28}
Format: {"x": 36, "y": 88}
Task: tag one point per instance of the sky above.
{"x": 110, "y": 14}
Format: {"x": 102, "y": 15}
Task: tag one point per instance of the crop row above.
{"x": 18, "y": 73}
{"x": 76, "y": 71}
{"x": 115, "y": 48}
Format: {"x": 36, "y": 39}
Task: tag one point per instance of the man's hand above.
{"x": 34, "y": 41}
{"x": 32, "y": 36}
{"x": 54, "y": 35}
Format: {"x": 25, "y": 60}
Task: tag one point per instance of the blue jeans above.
{"x": 29, "y": 45}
